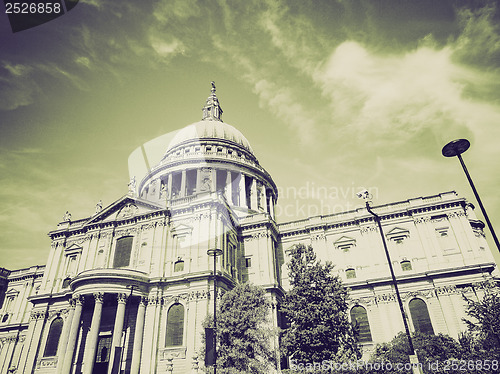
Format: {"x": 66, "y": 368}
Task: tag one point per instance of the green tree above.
{"x": 244, "y": 334}
{"x": 483, "y": 337}
{"x": 433, "y": 351}
{"x": 316, "y": 310}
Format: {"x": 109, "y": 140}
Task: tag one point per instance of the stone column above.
{"x": 253, "y": 194}
{"x": 118, "y": 328}
{"x": 72, "y": 337}
{"x": 229, "y": 188}
{"x": 29, "y": 337}
{"x": 213, "y": 179}
{"x": 37, "y": 333}
{"x": 138, "y": 335}
{"x": 63, "y": 342}
{"x": 150, "y": 325}
{"x": 242, "y": 191}
{"x": 263, "y": 198}
{"x": 182, "y": 192}
{"x": 198, "y": 180}
{"x": 169, "y": 186}
{"x": 8, "y": 344}
{"x": 91, "y": 346}
{"x": 271, "y": 206}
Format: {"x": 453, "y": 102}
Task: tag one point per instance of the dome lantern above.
{"x": 212, "y": 110}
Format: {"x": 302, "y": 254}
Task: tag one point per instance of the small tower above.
{"x": 212, "y": 110}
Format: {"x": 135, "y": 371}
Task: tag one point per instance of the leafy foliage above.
{"x": 316, "y": 308}
{"x": 433, "y": 351}
{"x": 483, "y": 337}
{"x": 243, "y": 333}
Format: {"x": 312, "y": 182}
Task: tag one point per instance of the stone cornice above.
{"x": 424, "y": 276}
{"x": 360, "y": 216}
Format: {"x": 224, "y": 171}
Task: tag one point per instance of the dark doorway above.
{"x": 102, "y": 355}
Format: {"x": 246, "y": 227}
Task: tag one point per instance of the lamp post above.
{"x": 413, "y": 356}
{"x": 456, "y": 148}
{"x": 215, "y": 252}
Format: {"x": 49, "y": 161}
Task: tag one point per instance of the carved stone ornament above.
{"x": 98, "y": 297}
{"x": 420, "y": 220}
{"x": 98, "y": 207}
{"x": 318, "y": 236}
{"x": 154, "y": 300}
{"x": 128, "y": 210}
{"x": 148, "y": 226}
{"x": 170, "y": 353}
{"x": 8, "y": 339}
{"x": 385, "y": 298}
{"x": 132, "y": 186}
{"x": 122, "y": 298}
{"x": 259, "y": 235}
{"x": 46, "y": 362}
{"x": 368, "y": 229}
{"x": 67, "y": 216}
{"x": 125, "y": 232}
{"x": 363, "y": 301}
{"x": 198, "y": 295}
{"x": 78, "y": 299}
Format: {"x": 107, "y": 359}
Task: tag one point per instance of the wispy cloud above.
{"x": 479, "y": 42}
{"x": 392, "y": 98}
{"x": 17, "y": 87}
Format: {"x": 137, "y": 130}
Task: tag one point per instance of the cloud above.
{"x": 393, "y": 98}
{"x": 178, "y": 9}
{"x": 479, "y": 42}
{"x": 17, "y": 87}
{"x": 167, "y": 48}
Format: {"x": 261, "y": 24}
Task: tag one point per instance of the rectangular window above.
{"x": 123, "y": 251}
{"x": 248, "y": 262}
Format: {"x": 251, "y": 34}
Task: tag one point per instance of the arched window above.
{"x": 122, "y": 251}
{"x": 420, "y": 316}
{"x": 53, "y": 337}
{"x": 179, "y": 265}
{"x": 359, "y": 319}
{"x": 350, "y": 273}
{"x": 175, "y": 325}
{"x": 405, "y": 265}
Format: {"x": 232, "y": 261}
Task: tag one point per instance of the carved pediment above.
{"x": 345, "y": 243}
{"x": 181, "y": 229}
{"x": 124, "y": 208}
{"x": 398, "y": 234}
{"x": 73, "y": 248}
{"x": 12, "y": 292}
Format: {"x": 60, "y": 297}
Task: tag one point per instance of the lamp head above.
{"x": 455, "y": 147}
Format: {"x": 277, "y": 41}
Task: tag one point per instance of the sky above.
{"x": 334, "y": 96}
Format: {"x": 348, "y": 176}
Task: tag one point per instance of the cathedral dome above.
{"x": 208, "y": 130}
{"x": 208, "y": 156}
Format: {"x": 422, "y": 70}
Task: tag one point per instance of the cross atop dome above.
{"x": 212, "y": 110}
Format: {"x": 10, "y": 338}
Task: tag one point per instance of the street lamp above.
{"x": 456, "y": 148}
{"x": 215, "y": 252}
{"x": 413, "y": 357}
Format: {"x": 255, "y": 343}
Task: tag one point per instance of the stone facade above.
{"x": 131, "y": 285}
